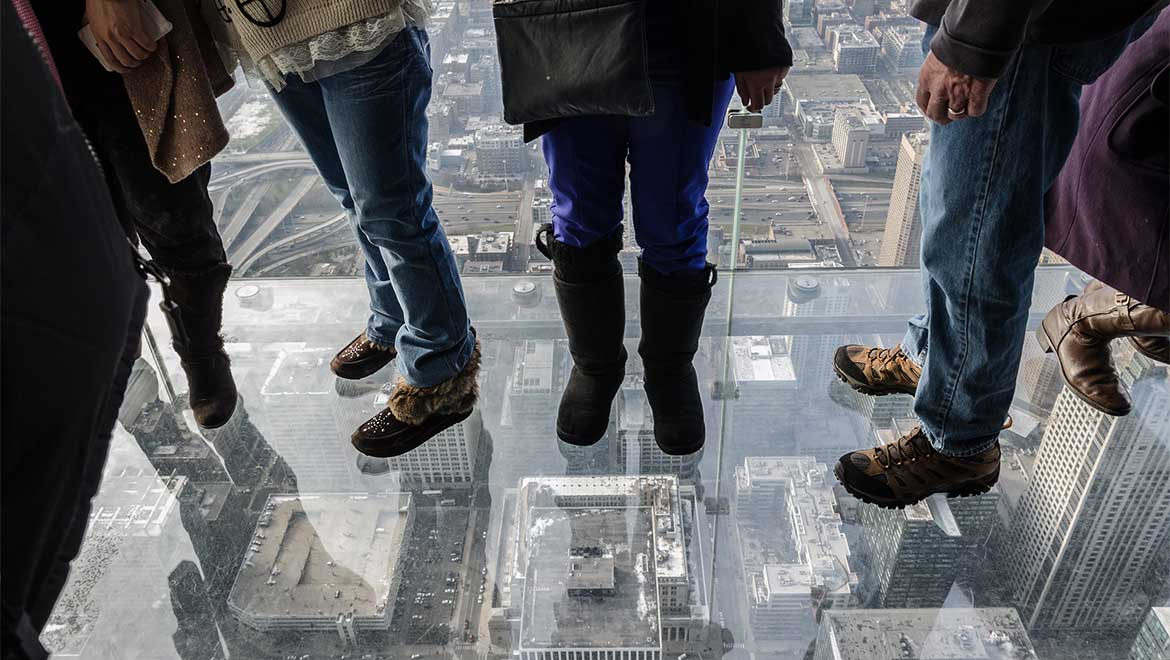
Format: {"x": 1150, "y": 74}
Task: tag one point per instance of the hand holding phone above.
{"x": 122, "y": 33}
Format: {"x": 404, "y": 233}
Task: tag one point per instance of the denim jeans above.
{"x": 981, "y": 202}
{"x": 668, "y": 155}
{"x": 366, "y": 131}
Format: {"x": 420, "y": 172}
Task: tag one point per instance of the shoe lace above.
{"x": 907, "y": 449}
{"x": 883, "y": 362}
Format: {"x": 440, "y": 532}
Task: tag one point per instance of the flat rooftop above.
{"x": 938, "y": 634}
{"x": 319, "y": 556}
{"x": 825, "y": 87}
{"x": 763, "y": 359}
{"x": 628, "y": 618}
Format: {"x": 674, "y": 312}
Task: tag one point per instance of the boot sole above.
{"x": 969, "y": 489}
{"x": 350, "y": 371}
{"x": 869, "y": 390}
{"x": 576, "y": 440}
{"x": 1048, "y": 346}
{"x": 433, "y": 427}
{"x": 230, "y": 415}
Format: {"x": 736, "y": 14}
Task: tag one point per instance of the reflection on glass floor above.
{"x": 272, "y": 538}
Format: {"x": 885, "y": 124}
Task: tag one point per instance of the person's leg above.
{"x": 378, "y": 116}
{"x": 981, "y": 203}
{"x": 176, "y": 225}
{"x": 303, "y": 107}
{"x": 669, "y": 157}
{"x": 586, "y": 159}
{"x": 982, "y": 209}
{"x": 56, "y": 571}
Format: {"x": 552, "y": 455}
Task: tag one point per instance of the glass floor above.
{"x": 272, "y": 538}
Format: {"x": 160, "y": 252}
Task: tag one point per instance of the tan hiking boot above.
{"x": 877, "y": 371}
{"x": 909, "y": 470}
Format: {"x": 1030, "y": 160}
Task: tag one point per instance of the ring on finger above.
{"x": 956, "y": 113}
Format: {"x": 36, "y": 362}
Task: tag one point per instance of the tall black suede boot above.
{"x": 590, "y": 292}
{"x": 212, "y": 391}
{"x": 672, "y": 320}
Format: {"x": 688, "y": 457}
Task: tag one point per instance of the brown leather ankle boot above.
{"x": 1155, "y": 348}
{"x": 1079, "y": 329}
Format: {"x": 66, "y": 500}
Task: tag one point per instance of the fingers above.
{"x": 936, "y": 107}
{"x": 108, "y": 55}
{"x": 922, "y": 93}
{"x": 121, "y": 55}
{"x": 741, "y": 86}
{"x": 135, "y": 50}
{"x": 143, "y": 42}
{"x": 980, "y": 94}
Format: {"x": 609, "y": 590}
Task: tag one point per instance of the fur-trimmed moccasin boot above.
{"x": 416, "y": 414}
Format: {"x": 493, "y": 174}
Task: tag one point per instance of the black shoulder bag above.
{"x": 568, "y": 58}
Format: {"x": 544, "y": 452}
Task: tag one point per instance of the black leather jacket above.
{"x": 720, "y": 37}
{"x": 979, "y": 37}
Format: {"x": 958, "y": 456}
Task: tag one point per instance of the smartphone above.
{"x": 155, "y": 24}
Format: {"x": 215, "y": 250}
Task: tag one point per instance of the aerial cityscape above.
{"x": 271, "y": 537}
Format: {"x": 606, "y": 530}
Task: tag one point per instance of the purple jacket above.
{"x": 1109, "y": 211}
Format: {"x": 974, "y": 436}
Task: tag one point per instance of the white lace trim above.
{"x": 361, "y": 37}
{"x": 331, "y": 46}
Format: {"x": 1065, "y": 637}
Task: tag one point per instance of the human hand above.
{"x": 945, "y": 95}
{"x": 117, "y": 28}
{"x": 757, "y": 88}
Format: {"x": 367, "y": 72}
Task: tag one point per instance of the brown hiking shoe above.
{"x": 877, "y": 371}
{"x": 909, "y": 470}
{"x": 361, "y": 358}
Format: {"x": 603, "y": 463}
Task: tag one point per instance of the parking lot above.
{"x": 432, "y": 578}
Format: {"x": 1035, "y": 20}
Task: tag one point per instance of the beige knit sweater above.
{"x": 305, "y": 19}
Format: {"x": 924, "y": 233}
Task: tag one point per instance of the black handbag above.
{"x": 568, "y": 58}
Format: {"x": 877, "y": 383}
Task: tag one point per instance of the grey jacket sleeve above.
{"x": 979, "y": 37}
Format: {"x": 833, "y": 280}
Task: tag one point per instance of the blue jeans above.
{"x": 981, "y": 202}
{"x": 668, "y": 156}
{"x": 366, "y": 131}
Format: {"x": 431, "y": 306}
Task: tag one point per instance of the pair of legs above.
{"x": 366, "y": 131}
{"x": 668, "y": 157}
{"x": 982, "y": 207}
{"x": 174, "y": 221}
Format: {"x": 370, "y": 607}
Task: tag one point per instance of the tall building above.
{"x": 793, "y": 555}
{"x": 1097, "y": 509}
{"x": 599, "y": 568}
{"x": 799, "y": 12}
{"x": 903, "y": 224}
{"x": 765, "y": 384}
{"x": 902, "y": 46}
{"x": 916, "y": 553}
{"x": 500, "y": 155}
{"x": 855, "y": 50}
{"x": 1153, "y": 640}
{"x": 850, "y": 138}
{"x": 952, "y": 633}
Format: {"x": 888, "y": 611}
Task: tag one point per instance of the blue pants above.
{"x": 668, "y": 156}
{"x": 982, "y": 206}
{"x": 366, "y": 131}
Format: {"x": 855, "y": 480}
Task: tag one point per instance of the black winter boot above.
{"x": 590, "y": 292}
{"x": 672, "y": 320}
{"x": 212, "y": 391}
